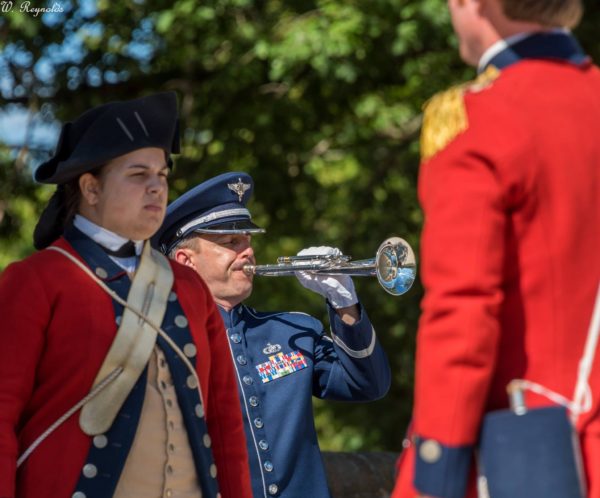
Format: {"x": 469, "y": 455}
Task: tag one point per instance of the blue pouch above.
{"x": 532, "y": 455}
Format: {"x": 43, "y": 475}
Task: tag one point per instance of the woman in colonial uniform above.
{"x": 115, "y": 373}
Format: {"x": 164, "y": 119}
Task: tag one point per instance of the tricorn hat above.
{"x": 109, "y": 131}
{"x": 98, "y": 136}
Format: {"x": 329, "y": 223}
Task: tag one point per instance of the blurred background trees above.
{"x": 320, "y": 101}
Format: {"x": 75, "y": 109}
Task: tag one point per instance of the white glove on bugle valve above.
{"x": 338, "y": 289}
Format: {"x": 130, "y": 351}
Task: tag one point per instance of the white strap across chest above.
{"x": 133, "y": 344}
{"x": 102, "y": 383}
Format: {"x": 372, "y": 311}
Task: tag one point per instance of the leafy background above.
{"x": 320, "y": 101}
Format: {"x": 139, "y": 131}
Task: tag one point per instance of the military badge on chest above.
{"x": 271, "y": 348}
{"x": 280, "y": 364}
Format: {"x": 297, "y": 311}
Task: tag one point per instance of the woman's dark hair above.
{"x": 72, "y": 197}
{"x": 59, "y": 212}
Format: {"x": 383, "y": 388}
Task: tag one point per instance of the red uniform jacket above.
{"x": 56, "y": 326}
{"x": 510, "y": 261}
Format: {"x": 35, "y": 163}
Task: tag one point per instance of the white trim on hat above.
{"x": 211, "y": 217}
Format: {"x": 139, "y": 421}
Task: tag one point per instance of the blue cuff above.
{"x": 441, "y": 471}
{"x": 356, "y": 340}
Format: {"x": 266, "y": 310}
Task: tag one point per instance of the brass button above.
{"x": 430, "y": 451}
{"x": 181, "y": 321}
{"x": 191, "y": 382}
{"x": 189, "y": 350}
{"x": 213, "y": 470}
{"x": 101, "y": 272}
{"x": 90, "y": 470}
{"x": 199, "y": 410}
{"x": 206, "y": 440}
{"x": 100, "y": 441}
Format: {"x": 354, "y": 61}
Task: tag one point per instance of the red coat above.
{"x": 56, "y": 327}
{"x": 510, "y": 258}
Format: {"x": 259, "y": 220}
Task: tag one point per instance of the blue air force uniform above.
{"x": 282, "y": 359}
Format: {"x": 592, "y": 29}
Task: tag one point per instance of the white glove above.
{"x": 338, "y": 289}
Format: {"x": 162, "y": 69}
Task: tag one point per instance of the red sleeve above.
{"x": 24, "y": 312}
{"x": 462, "y": 266}
{"x": 464, "y": 198}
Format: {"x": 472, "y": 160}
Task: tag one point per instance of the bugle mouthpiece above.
{"x": 249, "y": 269}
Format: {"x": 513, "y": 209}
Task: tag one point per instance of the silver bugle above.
{"x": 394, "y": 265}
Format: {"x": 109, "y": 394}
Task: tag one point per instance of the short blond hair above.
{"x": 551, "y": 13}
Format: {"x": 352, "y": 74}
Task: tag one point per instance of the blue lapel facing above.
{"x": 94, "y": 256}
{"x": 108, "y": 452}
{"x": 555, "y": 46}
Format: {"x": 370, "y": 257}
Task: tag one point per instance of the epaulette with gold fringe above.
{"x": 445, "y": 115}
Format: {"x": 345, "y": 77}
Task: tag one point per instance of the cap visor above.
{"x": 245, "y": 226}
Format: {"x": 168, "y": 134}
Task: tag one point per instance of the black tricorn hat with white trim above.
{"x": 109, "y": 131}
{"x": 217, "y": 205}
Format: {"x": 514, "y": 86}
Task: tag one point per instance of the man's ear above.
{"x": 184, "y": 257}
{"x": 90, "y": 188}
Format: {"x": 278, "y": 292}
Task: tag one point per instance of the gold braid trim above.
{"x": 445, "y": 114}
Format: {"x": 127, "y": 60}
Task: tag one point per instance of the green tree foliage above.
{"x": 320, "y": 101}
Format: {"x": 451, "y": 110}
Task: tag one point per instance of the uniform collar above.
{"x": 110, "y": 241}
{"x": 94, "y": 256}
{"x": 102, "y": 236}
{"x": 232, "y": 317}
{"x": 558, "y": 44}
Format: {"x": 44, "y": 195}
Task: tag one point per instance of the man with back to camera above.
{"x": 508, "y": 183}
{"x": 282, "y": 359}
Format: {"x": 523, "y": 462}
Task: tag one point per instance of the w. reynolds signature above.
{"x": 27, "y": 8}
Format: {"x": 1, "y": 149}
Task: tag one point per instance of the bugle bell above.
{"x": 394, "y": 265}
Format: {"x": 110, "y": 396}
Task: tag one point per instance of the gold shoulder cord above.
{"x": 445, "y": 115}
